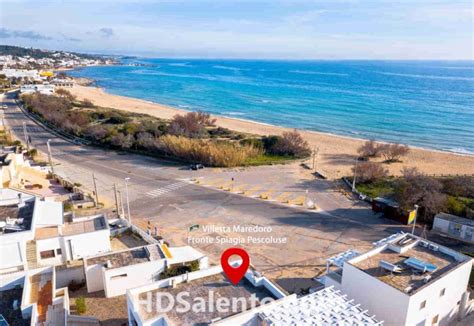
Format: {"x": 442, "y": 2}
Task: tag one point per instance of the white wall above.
{"x": 445, "y": 306}
{"x": 135, "y": 276}
{"x": 10, "y": 281}
{"x": 88, "y": 244}
{"x": 94, "y": 278}
{"x": 65, "y": 275}
{"x": 50, "y": 244}
{"x": 385, "y": 302}
{"x": 13, "y": 248}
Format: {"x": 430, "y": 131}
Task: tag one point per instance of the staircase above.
{"x": 31, "y": 257}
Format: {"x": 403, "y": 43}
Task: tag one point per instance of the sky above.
{"x": 270, "y": 29}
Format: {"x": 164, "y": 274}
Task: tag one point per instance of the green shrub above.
{"x": 173, "y": 271}
{"x": 80, "y": 305}
{"x": 455, "y": 206}
{"x": 194, "y": 265}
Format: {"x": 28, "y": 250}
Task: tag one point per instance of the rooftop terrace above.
{"x": 12, "y": 215}
{"x": 408, "y": 263}
{"x": 72, "y": 228}
{"x": 42, "y": 293}
{"x": 216, "y": 284}
{"x": 324, "y": 307}
{"x": 128, "y": 257}
{"x": 96, "y": 224}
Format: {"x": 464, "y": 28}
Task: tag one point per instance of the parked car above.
{"x": 5, "y": 106}
{"x": 196, "y": 166}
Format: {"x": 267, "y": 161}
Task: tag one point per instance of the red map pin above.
{"x": 235, "y": 274}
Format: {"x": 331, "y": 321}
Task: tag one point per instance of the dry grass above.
{"x": 210, "y": 153}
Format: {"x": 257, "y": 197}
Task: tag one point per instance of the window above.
{"x": 423, "y": 305}
{"x": 443, "y": 291}
{"x": 435, "y": 320}
{"x": 47, "y": 254}
{"x": 58, "y": 252}
{"x": 118, "y": 276}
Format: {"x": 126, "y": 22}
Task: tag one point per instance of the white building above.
{"x": 324, "y": 307}
{"x": 212, "y": 286}
{"x": 45, "y": 89}
{"x": 35, "y": 233}
{"x": 406, "y": 280}
{"x": 454, "y": 227}
{"x": 116, "y": 272}
{"x": 21, "y": 73}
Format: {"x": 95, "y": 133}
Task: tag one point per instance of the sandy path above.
{"x": 336, "y": 153}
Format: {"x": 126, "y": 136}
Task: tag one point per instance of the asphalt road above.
{"x": 158, "y": 194}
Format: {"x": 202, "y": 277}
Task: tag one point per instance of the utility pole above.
{"x": 95, "y": 191}
{"x": 121, "y": 204}
{"x": 25, "y": 132}
{"x": 414, "y": 222}
{"x": 355, "y": 175}
{"x": 116, "y": 200}
{"x": 128, "y": 200}
{"x": 50, "y": 156}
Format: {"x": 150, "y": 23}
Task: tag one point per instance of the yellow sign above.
{"x": 411, "y": 216}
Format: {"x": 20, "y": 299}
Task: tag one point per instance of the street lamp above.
{"x": 128, "y": 199}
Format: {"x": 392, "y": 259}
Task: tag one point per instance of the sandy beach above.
{"x": 336, "y": 153}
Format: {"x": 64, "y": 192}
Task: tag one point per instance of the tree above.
{"x": 192, "y": 124}
{"x": 291, "y": 143}
{"x": 415, "y": 188}
{"x": 87, "y": 103}
{"x": 369, "y": 172}
{"x": 145, "y": 140}
{"x": 122, "y": 141}
{"x": 369, "y": 149}
{"x": 393, "y": 152}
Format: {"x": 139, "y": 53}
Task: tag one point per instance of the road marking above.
{"x": 283, "y": 197}
{"x": 266, "y": 194}
{"x": 253, "y": 190}
{"x": 214, "y": 182}
{"x": 163, "y": 190}
{"x": 240, "y": 189}
{"x": 297, "y": 201}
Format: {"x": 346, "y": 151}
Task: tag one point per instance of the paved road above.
{"x": 159, "y": 195}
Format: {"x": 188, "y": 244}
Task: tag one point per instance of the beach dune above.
{"x": 336, "y": 155}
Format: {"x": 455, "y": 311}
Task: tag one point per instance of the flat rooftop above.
{"x": 128, "y": 257}
{"x": 456, "y": 219}
{"x": 202, "y": 287}
{"x": 10, "y": 212}
{"x": 95, "y": 224}
{"x": 71, "y": 228}
{"x": 407, "y": 278}
{"x": 324, "y": 307}
{"x": 42, "y": 293}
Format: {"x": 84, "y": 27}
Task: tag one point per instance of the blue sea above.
{"x": 427, "y": 104}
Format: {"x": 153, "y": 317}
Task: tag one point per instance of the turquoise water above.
{"x": 422, "y": 103}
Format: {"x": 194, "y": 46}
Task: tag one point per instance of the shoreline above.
{"x": 336, "y": 152}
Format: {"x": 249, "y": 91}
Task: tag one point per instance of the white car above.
{"x": 5, "y": 106}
